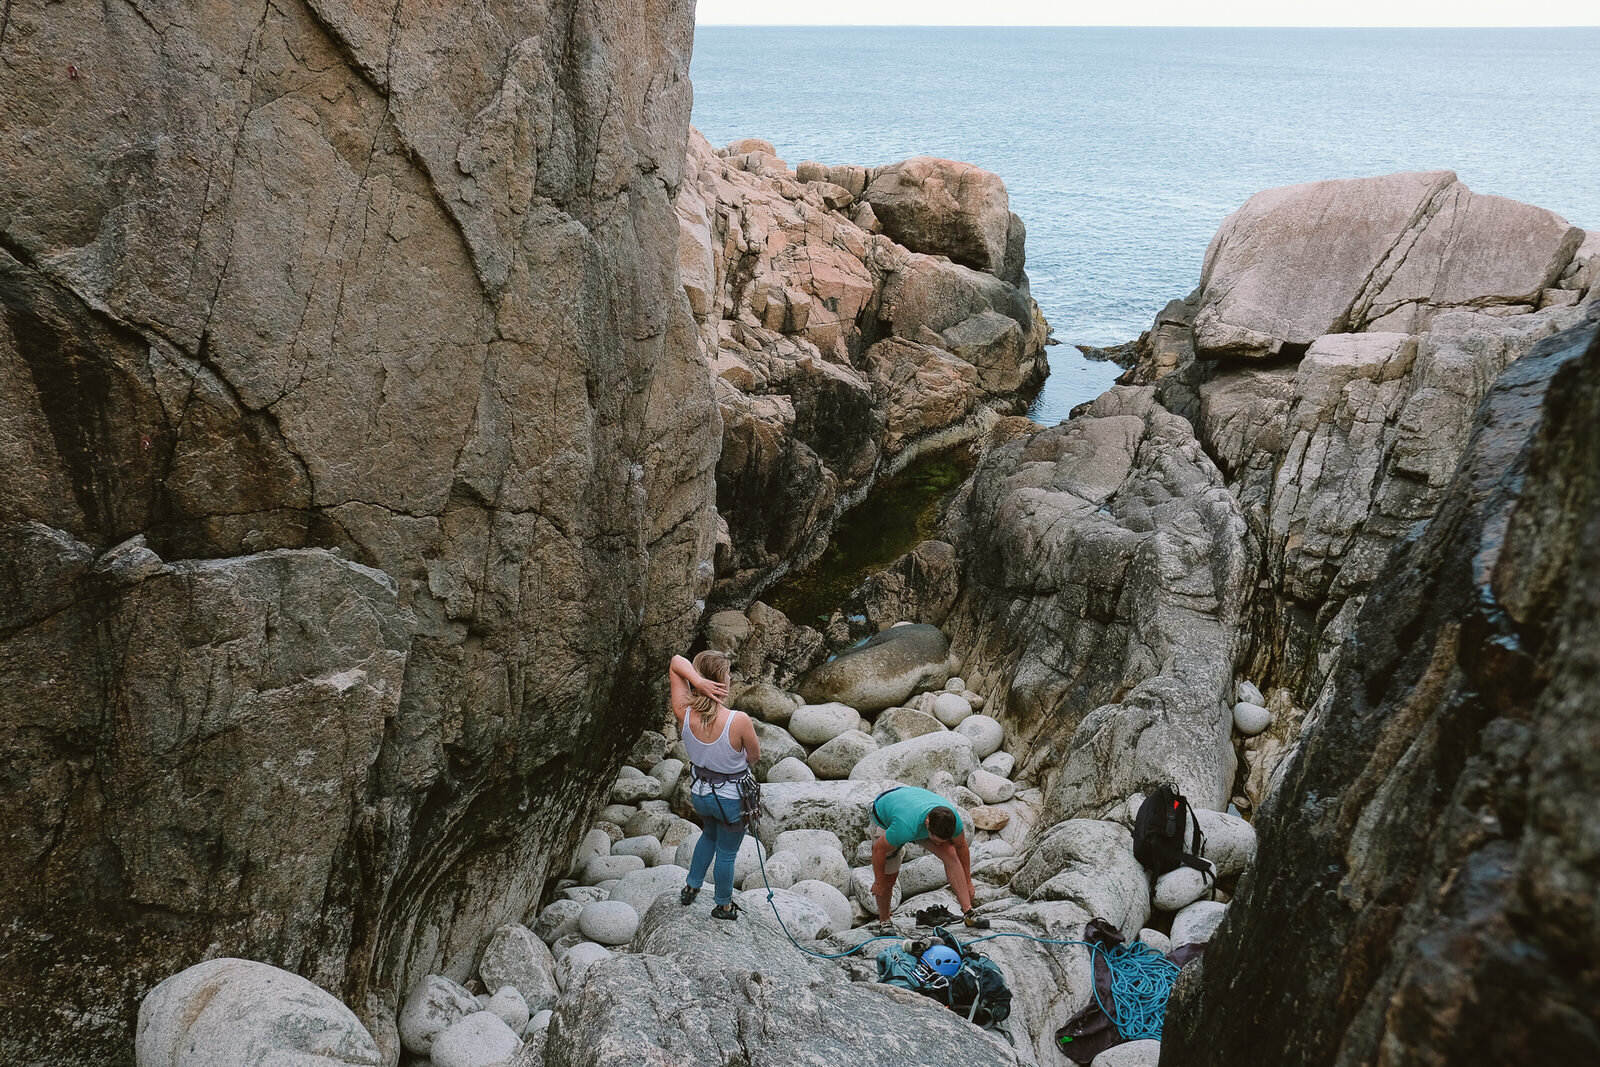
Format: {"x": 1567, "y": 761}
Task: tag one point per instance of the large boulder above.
{"x": 433, "y": 1004}
{"x": 839, "y": 756}
{"x": 279, "y": 292}
{"x": 902, "y": 724}
{"x": 943, "y": 207}
{"x": 781, "y": 1006}
{"x": 917, "y": 760}
{"x": 883, "y": 670}
{"x": 518, "y": 957}
{"x": 1383, "y": 253}
{"x": 816, "y": 724}
{"x": 240, "y": 1013}
{"x": 482, "y": 1039}
{"x": 1091, "y": 863}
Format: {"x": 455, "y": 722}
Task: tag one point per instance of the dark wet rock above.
{"x": 1427, "y": 862}
{"x": 883, "y": 670}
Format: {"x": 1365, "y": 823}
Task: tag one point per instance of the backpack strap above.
{"x": 1195, "y": 859}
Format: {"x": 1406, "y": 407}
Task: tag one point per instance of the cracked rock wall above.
{"x": 357, "y": 459}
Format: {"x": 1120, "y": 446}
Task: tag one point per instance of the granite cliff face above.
{"x": 1425, "y": 887}
{"x": 357, "y": 455}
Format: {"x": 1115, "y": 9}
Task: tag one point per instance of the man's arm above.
{"x": 964, "y": 856}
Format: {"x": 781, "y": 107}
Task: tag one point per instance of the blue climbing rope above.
{"x": 785, "y": 928}
{"x": 1141, "y": 977}
{"x": 1141, "y": 982}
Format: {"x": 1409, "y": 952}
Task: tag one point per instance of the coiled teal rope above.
{"x": 1141, "y": 982}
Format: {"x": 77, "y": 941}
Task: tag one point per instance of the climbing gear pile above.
{"x": 1132, "y": 982}
{"x": 951, "y": 973}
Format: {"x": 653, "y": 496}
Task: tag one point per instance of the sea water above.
{"x": 1123, "y": 149}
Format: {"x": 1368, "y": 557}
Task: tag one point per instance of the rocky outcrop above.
{"x": 1106, "y": 579}
{"x": 1427, "y": 862}
{"x": 368, "y": 322}
{"x": 839, "y": 355}
{"x": 1383, "y": 254}
{"x": 774, "y": 1005}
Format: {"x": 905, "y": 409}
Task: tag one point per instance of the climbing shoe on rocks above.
{"x": 883, "y": 929}
{"x": 974, "y": 922}
{"x": 725, "y": 911}
{"x": 687, "y": 894}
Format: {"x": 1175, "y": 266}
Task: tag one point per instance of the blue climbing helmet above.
{"x": 942, "y": 959}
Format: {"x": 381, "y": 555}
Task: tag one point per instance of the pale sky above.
{"x": 1150, "y": 13}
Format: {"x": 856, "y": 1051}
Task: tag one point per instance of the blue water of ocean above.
{"x": 1124, "y": 148}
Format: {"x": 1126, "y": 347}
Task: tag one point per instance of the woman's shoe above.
{"x": 883, "y": 929}
{"x": 687, "y": 894}
{"x": 725, "y": 911}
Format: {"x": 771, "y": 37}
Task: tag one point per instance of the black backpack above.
{"x": 1159, "y": 830}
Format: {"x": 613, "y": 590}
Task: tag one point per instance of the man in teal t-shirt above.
{"x": 905, "y": 814}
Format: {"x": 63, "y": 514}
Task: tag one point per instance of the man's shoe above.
{"x": 687, "y": 894}
{"x": 885, "y": 928}
{"x": 974, "y": 922}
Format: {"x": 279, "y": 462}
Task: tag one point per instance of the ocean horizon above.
{"x": 1124, "y": 148}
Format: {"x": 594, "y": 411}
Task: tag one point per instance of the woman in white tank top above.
{"x": 722, "y": 746}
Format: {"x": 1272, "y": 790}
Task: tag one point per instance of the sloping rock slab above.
{"x": 703, "y": 991}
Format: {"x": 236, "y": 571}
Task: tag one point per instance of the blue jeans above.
{"x": 719, "y": 838}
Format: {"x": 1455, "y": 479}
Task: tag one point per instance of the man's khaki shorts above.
{"x": 891, "y": 863}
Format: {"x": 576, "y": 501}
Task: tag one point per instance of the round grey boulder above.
{"x": 628, "y": 790}
{"x": 594, "y": 843}
{"x": 883, "y": 670}
{"x": 1156, "y": 940}
{"x": 1001, "y": 763}
{"x": 817, "y": 724}
{"x": 902, "y": 724}
{"x": 509, "y": 1005}
{"x": 604, "y": 868}
{"x": 1195, "y": 924}
{"x": 768, "y": 703}
{"x": 609, "y": 922}
{"x": 646, "y": 848}
{"x": 791, "y": 769}
{"x": 1250, "y": 719}
{"x": 829, "y": 898}
{"x": 639, "y": 889}
{"x": 836, "y": 758}
{"x": 559, "y": 918}
{"x": 991, "y": 788}
{"x": 951, "y": 709}
{"x": 434, "y": 1004}
{"x": 517, "y": 957}
{"x": 480, "y": 1040}
{"x": 915, "y": 761}
{"x": 1249, "y": 694}
{"x": 805, "y": 920}
{"x": 985, "y": 733}
{"x": 1143, "y": 1053}
{"x": 232, "y": 1011}
{"x": 1179, "y": 888}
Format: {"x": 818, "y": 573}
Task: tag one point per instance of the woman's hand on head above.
{"x": 715, "y": 690}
